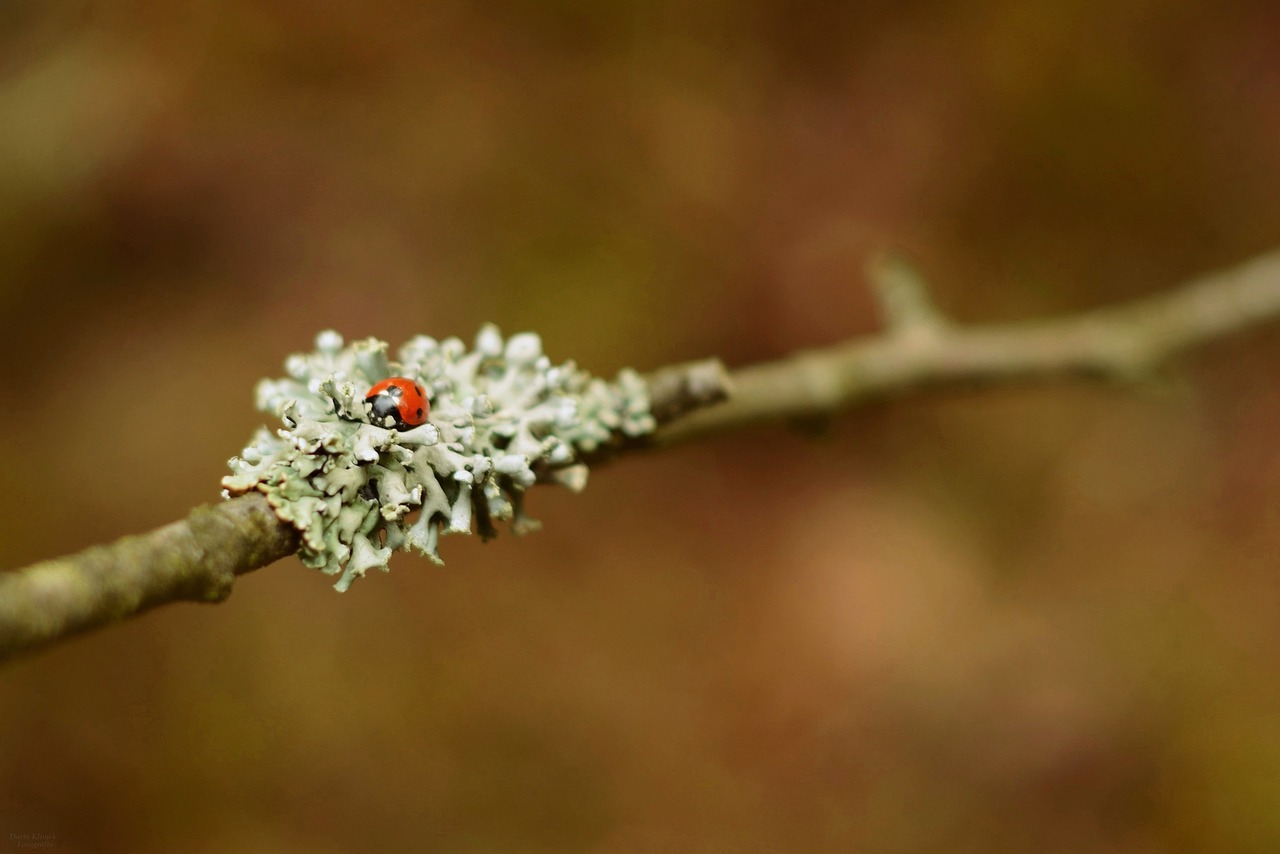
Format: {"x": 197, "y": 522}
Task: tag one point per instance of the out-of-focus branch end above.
{"x": 903, "y": 297}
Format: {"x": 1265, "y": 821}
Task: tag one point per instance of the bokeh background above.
{"x": 1022, "y": 620}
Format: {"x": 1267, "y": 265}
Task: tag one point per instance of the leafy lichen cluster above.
{"x": 502, "y": 417}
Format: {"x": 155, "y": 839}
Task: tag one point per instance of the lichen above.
{"x": 502, "y": 418}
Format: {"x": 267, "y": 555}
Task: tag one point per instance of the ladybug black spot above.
{"x": 419, "y": 411}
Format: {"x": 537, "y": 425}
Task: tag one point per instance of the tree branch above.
{"x": 195, "y": 560}
{"x": 921, "y": 350}
{"x": 198, "y": 559}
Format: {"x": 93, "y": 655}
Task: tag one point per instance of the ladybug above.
{"x": 402, "y": 400}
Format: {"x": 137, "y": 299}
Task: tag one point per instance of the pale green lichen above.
{"x": 502, "y": 418}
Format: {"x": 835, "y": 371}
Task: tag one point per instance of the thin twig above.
{"x": 197, "y": 559}
{"x": 920, "y": 350}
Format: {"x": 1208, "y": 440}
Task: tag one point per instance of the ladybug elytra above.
{"x": 400, "y": 399}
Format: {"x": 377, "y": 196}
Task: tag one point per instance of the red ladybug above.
{"x": 402, "y": 400}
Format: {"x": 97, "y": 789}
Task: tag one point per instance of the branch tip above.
{"x": 903, "y": 295}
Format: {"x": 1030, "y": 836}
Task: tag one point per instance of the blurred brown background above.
{"x": 1023, "y": 620}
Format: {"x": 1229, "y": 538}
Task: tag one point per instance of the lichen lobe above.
{"x": 502, "y": 418}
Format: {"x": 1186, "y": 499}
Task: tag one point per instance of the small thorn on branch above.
{"x": 903, "y": 297}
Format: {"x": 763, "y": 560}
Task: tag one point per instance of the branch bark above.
{"x": 198, "y": 558}
{"x": 195, "y": 560}
{"x": 920, "y": 349}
